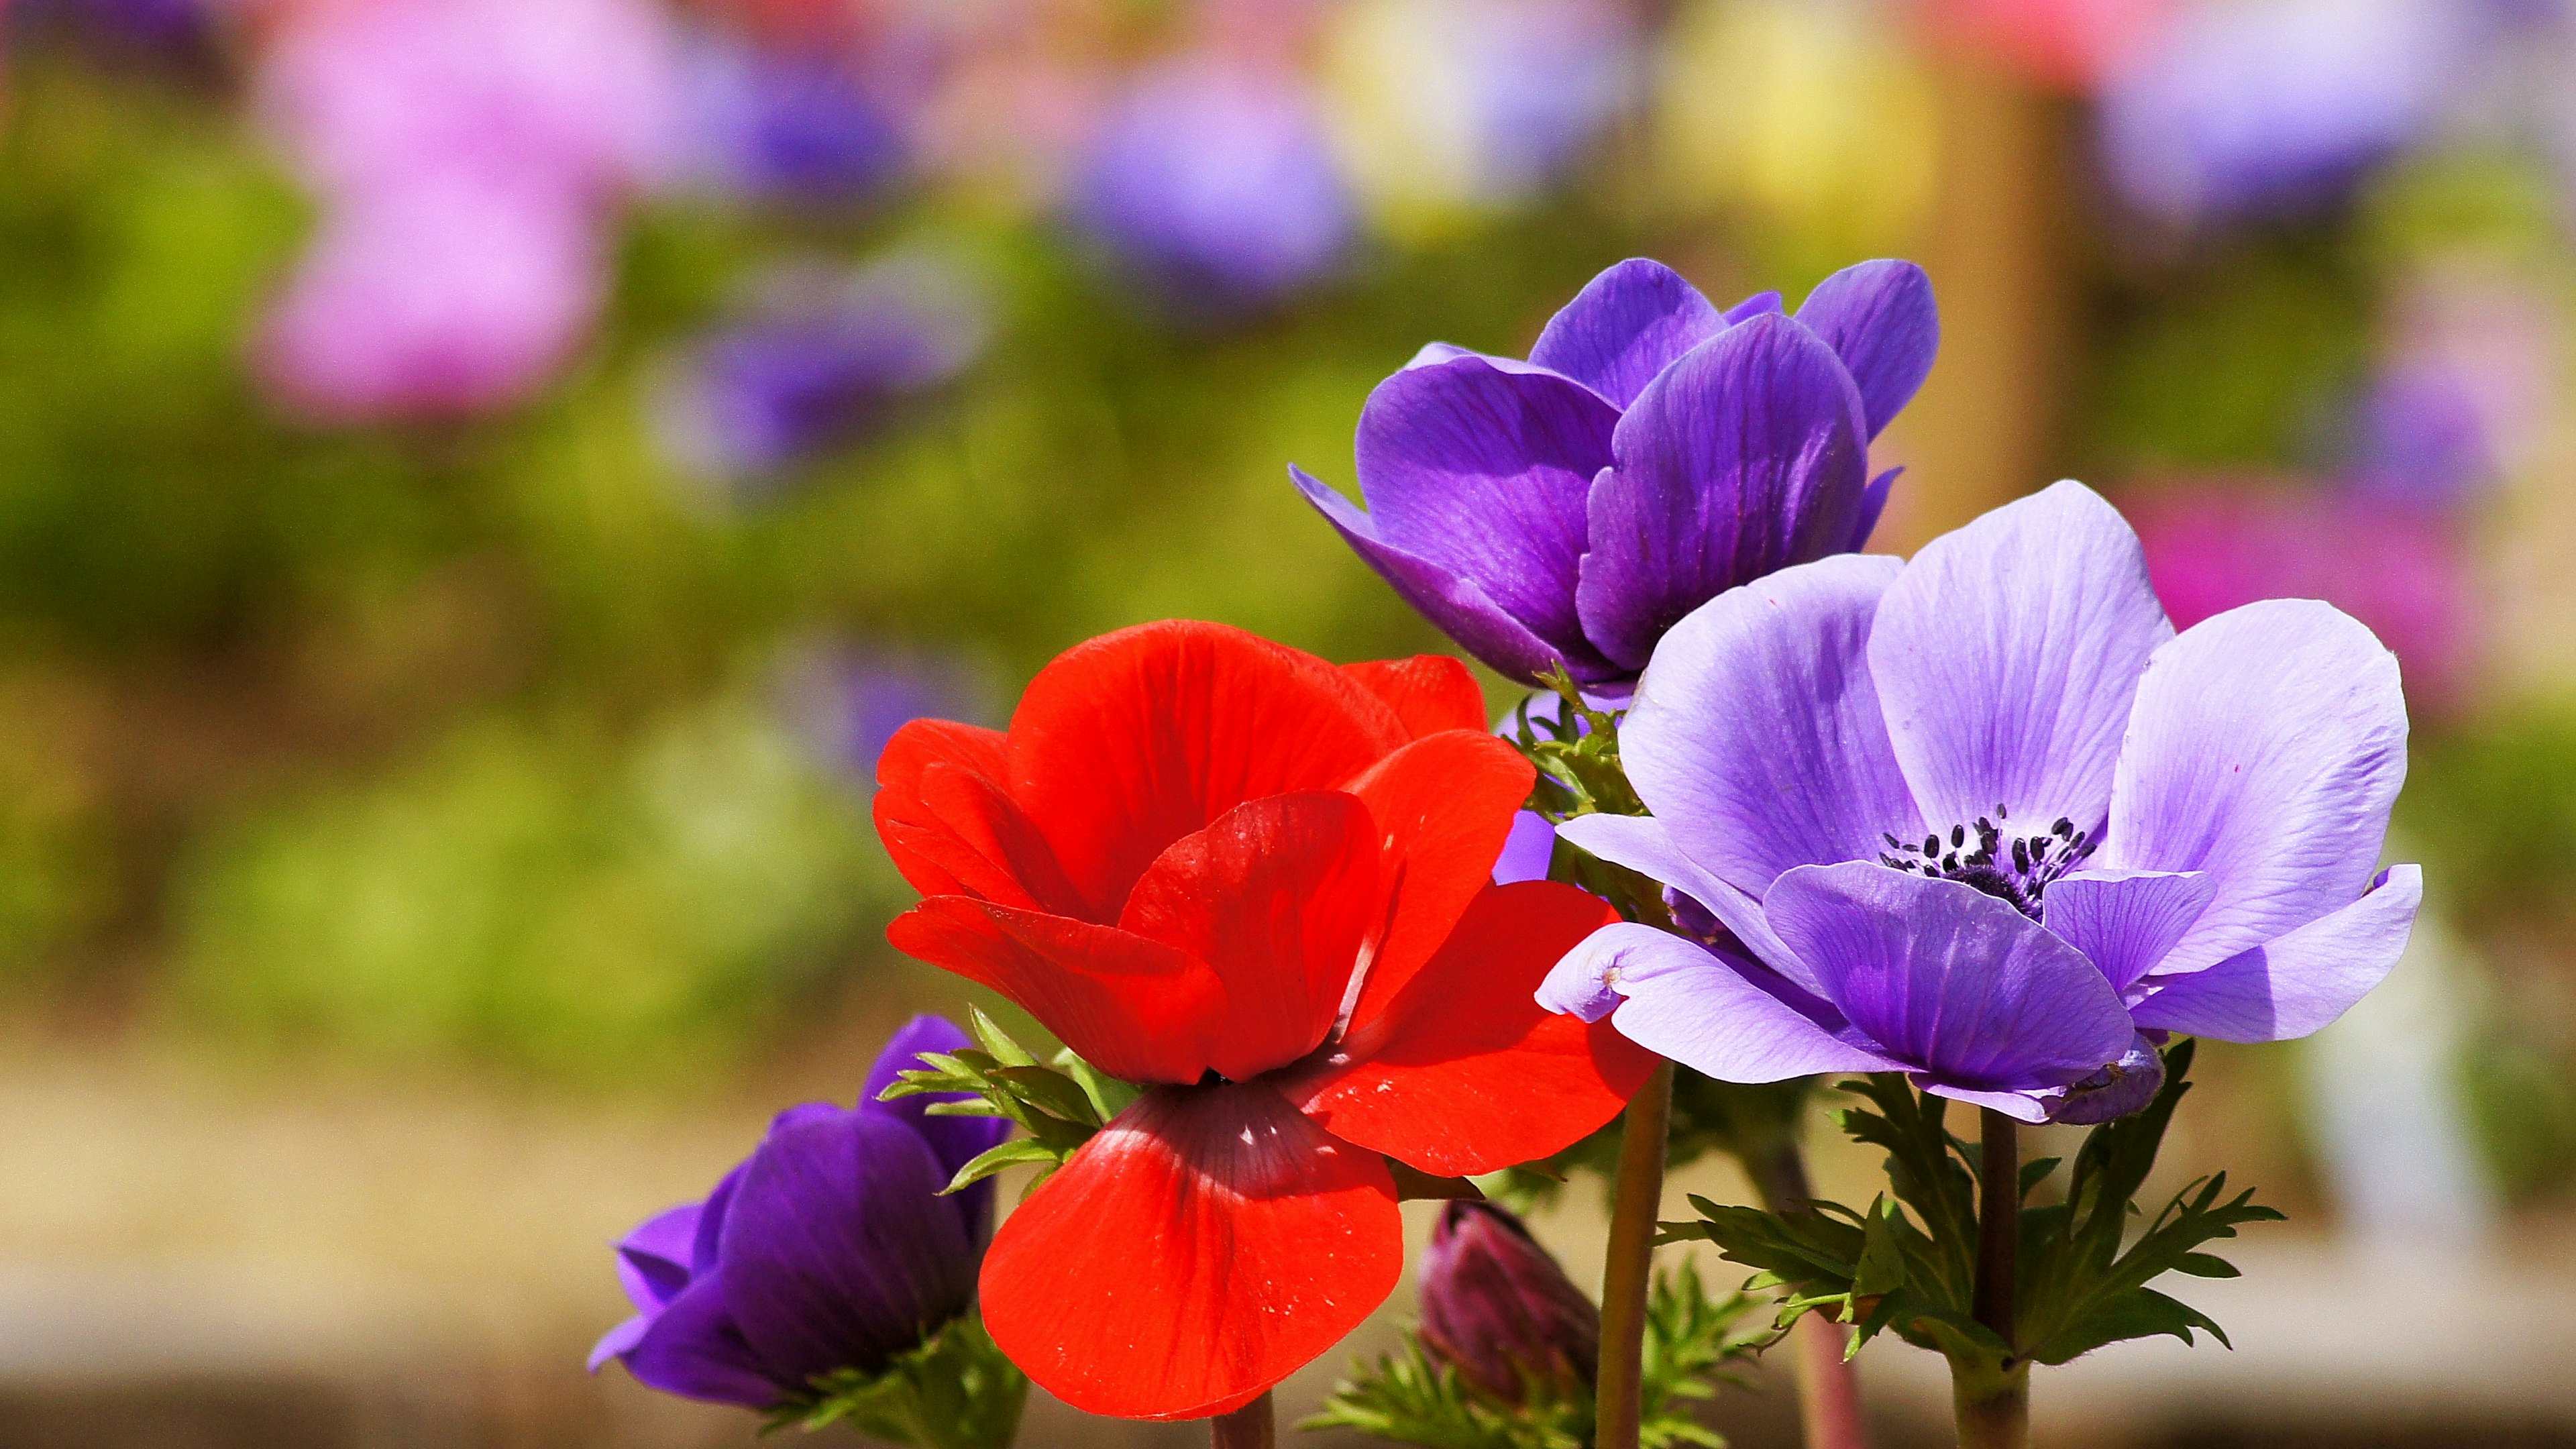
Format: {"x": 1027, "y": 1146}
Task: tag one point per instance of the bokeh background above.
{"x": 480, "y": 479}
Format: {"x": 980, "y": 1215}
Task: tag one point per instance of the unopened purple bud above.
{"x": 1498, "y": 1309}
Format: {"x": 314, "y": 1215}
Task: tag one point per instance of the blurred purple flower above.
{"x": 1497, "y": 1308}
{"x": 2400, "y": 570}
{"x": 1653, "y": 453}
{"x": 158, "y": 27}
{"x": 1984, "y": 818}
{"x": 818, "y": 361}
{"x": 1213, "y": 184}
{"x": 828, "y": 1248}
{"x": 849, "y": 702}
{"x": 2263, "y": 106}
{"x": 2421, "y": 440}
{"x": 786, "y": 123}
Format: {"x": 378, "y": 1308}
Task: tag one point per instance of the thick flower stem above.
{"x": 1250, "y": 1427}
{"x": 1993, "y": 1402}
{"x": 1828, "y": 1383}
{"x": 1636, "y": 1202}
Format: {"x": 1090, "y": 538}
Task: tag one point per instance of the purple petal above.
{"x": 1689, "y": 1004}
{"x": 2007, "y": 655}
{"x": 2266, "y": 748}
{"x": 619, "y": 1341}
{"x": 653, "y": 1261}
{"x": 1757, "y": 737}
{"x": 1949, "y": 979}
{"x": 1742, "y": 458}
{"x": 2126, "y": 921}
{"x": 2117, "y": 1090}
{"x": 1873, "y": 504}
{"x": 695, "y": 1349}
{"x": 1486, "y": 473}
{"x": 1625, "y": 326}
{"x": 1455, "y": 606}
{"x": 1642, "y": 844}
{"x": 1527, "y": 850}
{"x": 838, "y": 1250}
{"x": 1880, "y": 320}
{"x": 2297, "y": 983}
{"x": 1757, "y": 305}
{"x": 954, "y": 1141}
{"x": 2028, "y": 1106}
{"x": 703, "y": 1249}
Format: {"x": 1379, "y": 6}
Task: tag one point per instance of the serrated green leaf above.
{"x": 1051, "y": 1092}
{"x": 997, "y": 1042}
{"x": 1882, "y": 1258}
{"x": 1004, "y": 1155}
{"x": 955, "y": 1391}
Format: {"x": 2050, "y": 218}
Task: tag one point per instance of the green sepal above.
{"x": 1690, "y": 1339}
{"x": 1059, "y": 1106}
{"x": 955, "y": 1391}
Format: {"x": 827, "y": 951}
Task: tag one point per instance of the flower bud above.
{"x": 1498, "y": 1309}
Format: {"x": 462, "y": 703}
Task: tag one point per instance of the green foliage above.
{"x": 535, "y": 899}
{"x": 1908, "y": 1263}
{"x": 1690, "y": 1339}
{"x": 1060, "y": 1107}
{"x": 956, "y": 1391}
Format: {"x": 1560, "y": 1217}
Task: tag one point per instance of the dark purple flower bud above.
{"x": 1652, "y": 453}
{"x": 828, "y": 1248}
{"x": 819, "y": 359}
{"x": 1498, "y": 1309}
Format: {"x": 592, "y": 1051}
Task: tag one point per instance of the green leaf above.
{"x": 1882, "y": 1258}
{"x": 1004, "y": 1155}
{"x": 997, "y": 1041}
{"x": 955, "y": 1391}
{"x": 2036, "y": 1171}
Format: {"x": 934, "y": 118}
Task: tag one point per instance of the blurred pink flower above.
{"x": 2064, "y": 44}
{"x": 433, "y": 301}
{"x": 466, "y": 154}
{"x": 2402, "y": 571}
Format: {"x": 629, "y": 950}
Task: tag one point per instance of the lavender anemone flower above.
{"x": 1984, "y": 818}
{"x": 1654, "y": 452}
{"x": 1213, "y": 184}
{"x": 1497, "y": 1308}
{"x": 829, "y": 1248}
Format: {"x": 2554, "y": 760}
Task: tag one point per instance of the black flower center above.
{"x": 1991, "y": 856}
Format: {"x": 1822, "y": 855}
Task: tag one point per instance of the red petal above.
{"x": 1280, "y": 896}
{"x": 1127, "y": 743}
{"x": 914, "y": 836}
{"x": 1462, "y": 1071}
{"x": 1444, "y": 804}
{"x": 1206, "y": 1245}
{"x": 1136, "y": 1009}
{"x": 1429, "y": 692}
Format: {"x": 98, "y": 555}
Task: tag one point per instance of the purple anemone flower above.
{"x": 829, "y": 1248}
{"x": 1497, "y": 1308}
{"x": 788, "y": 123}
{"x": 1653, "y": 453}
{"x": 1986, "y": 819}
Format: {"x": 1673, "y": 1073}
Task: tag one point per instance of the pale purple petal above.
{"x": 2126, "y": 921}
{"x": 1879, "y": 319}
{"x": 1742, "y": 458}
{"x": 1641, "y": 843}
{"x": 619, "y": 1341}
{"x": 1455, "y": 606}
{"x": 838, "y": 1251}
{"x": 2029, "y": 1106}
{"x": 1688, "y": 1004}
{"x": 1527, "y": 851}
{"x": 1757, "y": 737}
{"x": 694, "y": 1348}
{"x": 1486, "y": 474}
{"x": 1625, "y": 326}
{"x": 2297, "y": 983}
{"x": 1951, "y": 980}
{"x": 2267, "y": 747}
{"x": 2007, "y": 655}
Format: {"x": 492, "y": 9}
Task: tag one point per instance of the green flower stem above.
{"x": 1636, "y": 1202}
{"x": 1250, "y": 1427}
{"x": 1993, "y": 1403}
{"x": 1828, "y": 1382}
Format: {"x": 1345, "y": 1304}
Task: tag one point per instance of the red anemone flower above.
{"x": 1258, "y": 885}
